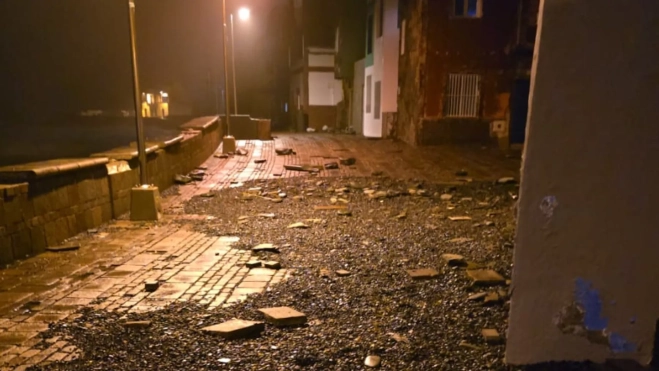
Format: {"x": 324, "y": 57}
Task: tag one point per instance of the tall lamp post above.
{"x": 243, "y": 14}
{"x": 228, "y": 142}
{"x": 144, "y": 198}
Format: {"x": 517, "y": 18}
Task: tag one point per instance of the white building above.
{"x": 381, "y": 68}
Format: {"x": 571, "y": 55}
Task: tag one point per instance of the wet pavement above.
{"x": 109, "y": 270}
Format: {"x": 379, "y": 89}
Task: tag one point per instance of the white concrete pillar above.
{"x": 586, "y": 274}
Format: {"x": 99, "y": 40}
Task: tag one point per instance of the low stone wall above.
{"x": 42, "y": 204}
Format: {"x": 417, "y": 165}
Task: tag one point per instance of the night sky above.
{"x": 62, "y": 56}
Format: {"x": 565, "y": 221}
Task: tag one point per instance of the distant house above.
{"x": 155, "y": 104}
{"x": 464, "y": 70}
{"x": 315, "y": 92}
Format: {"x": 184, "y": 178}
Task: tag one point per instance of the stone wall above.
{"x": 42, "y": 204}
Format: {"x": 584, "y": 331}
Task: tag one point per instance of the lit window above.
{"x": 468, "y": 8}
{"x": 463, "y": 95}
{"x": 149, "y": 98}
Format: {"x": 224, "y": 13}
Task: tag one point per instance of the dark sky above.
{"x": 72, "y": 55}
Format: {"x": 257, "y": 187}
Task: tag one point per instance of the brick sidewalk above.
{"x": 114, "y": 263}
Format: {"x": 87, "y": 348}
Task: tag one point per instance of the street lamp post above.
{"x": 228, "y": 142}
{"x": 243, "y": 14}
{"x": 144, "y": 198}
{"x": 141, "y": 147}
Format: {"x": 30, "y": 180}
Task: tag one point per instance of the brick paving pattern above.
{"x": 114, "y": 264}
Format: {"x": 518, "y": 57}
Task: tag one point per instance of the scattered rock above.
{"x": 377, "y": 173}
{"x": 235, "y": 329}
{"x": 298, "y": 225}
{"x": 137, "y": 324}
{"x": 221, "y": 155}
{"x": 423, "y": 273}
{"x": 294, "y": 167}
{"x": 241, "y": 152}
{"x": 506, "y": 180}
{"x": 402, "y": 215}
{"x": 151, "y": 286}
{"x": 272, "y": 264}
{"x": 62, "y": 248}
{"x": 485, "y": 277}
{"x": 283, "y": 316}
{"x": 282, "y": 195}
{"x": 331, "y": 165}
{"x": 462, "y": 172}
{"x": 372, "y": 361}
{"x": 399, "y": 338}
{"x": 348, "y": 161}
{"x": 253, "y": 264}
{"x": 492, "y": 298}
{"x": 465, "y": 344}
{"x": 267, "y": 215}
{"x": 260, "y": 161}
{"x": 491, "y": 336}
{"x": 454, "y": 260}
{"x": 446, "y": 197}
{"x": 265, "y": 247}
{"x": 477, "y": 296}
{"x": 460, "y": 240}
{"x": 325, "y": 273}
{"x": 207, "y": 195}
{"x": 284, "y": 151}
{"x": 342, "y": 273}
{"x": 344, "y": 212}
{"x": 459, "y": 218}
{"x": 182, "y": 179}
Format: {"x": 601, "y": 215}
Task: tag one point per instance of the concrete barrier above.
{"x": 44, "y": 203}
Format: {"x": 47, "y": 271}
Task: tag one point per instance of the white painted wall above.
{"x": 324, "y": 89}
{"x": 384, "y": 69}
{"x": 321, "y": 60}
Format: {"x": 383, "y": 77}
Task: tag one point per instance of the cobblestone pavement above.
{"x": 113, "y": 263}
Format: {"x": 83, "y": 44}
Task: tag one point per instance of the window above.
{"x": 380, "y": 18}
{"x": 462, "y": 97}
{"x": 376, "y": 113}
{"x": 368, "y": 94}
{"x": 468, "y": 8}
{"x": 369, "y": 34}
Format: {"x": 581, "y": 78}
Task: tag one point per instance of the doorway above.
{"x": 519, "y": 109}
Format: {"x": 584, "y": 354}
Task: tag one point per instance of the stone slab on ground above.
{"x": 62, "y": 248}
{"x": 422, "y": 273}
{"x": 485, "y": 277}
{"x": 235, "y": 329}
{"x": 283, "y": 316}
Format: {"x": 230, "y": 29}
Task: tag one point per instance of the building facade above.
{"x": 462, "y": 70}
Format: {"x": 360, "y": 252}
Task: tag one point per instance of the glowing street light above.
{"x": 243, "y": 14}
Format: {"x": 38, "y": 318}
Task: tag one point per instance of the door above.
{"x": 519, "y": 109}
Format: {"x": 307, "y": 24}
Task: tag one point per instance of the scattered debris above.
{"x": 342, "y": 273}
{"x": 182, "y": 179}
{"x": 454, "y": 260}
{"x": 253, "y": 264}
{"x": 459, "y": 218}
{"x": 265, "y": 247}
{"x": 241, "y": 152}
{"x": 399, "y": 338}
{"x": 423, "y": 273}
{"x": 344, "y": 212}
{"x": 235, "y": 328}
{"x": 491, "y": 336}
{"x": 506, "y": 180}
{"x": 460, "y": 240}
{"x": 331, "y": 165}
{"x": 260, "y": 161}
{"x": 151, "y": 286}
{"x": 461, "y": 172}
{"x": 372, "y": 361}
{"x": 63, "y": 248}
{"x": 272, "y": 265}
{"x": 446, "y": 197}
{"x": 284, "y": 151}
{"x": 283, "y": 316}
{"x": 477, "y": 296}
{"x": 485, "y": 277}
{"x": 348, "y": 161}
{"x": 221, "y": 155}
{"x": 298, "y": 225}
{"x": 267, "y": 215}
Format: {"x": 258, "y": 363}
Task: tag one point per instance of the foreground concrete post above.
{"x": 586, "y": 275}
{"x": 145, "y": 203}
{"x": 228, "y": 144}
